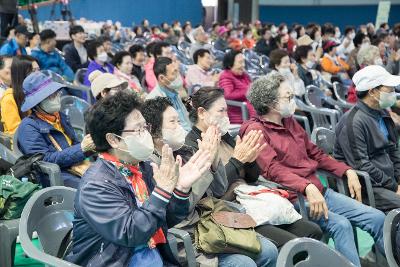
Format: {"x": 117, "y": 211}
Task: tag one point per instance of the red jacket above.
{"x": 290, "y": 158}
{"x": 235, "y": 88}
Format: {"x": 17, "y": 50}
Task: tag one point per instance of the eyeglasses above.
{"x": 141, "y": 130}
{"x": 289, "y": 98}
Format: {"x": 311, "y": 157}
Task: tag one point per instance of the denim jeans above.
{"x": 266, "y": 258}
{"x": 345, "y": 212}
{"x": 146, "y": 257}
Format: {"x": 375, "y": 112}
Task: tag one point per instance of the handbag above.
{"x": 13, "y": 196}
{"x": 221, "y": 230}
{"x": 26, "y": 166}
{"x": 78, "y": 169}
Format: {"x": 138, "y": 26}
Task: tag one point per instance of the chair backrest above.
{"x": 324, "y": 138}
{"x": 317, "y": 254}
{"x": 321, "y": 117}
{"x": 341, "y": 91}
{"x": 242, "y": 106}
{"x": 80, "y": 76}
{"x": 49, "y": 212}
{"x": 75, "y": 108}
{"x": 314, "y": 96}
{"x": 390, "y": 229}
{"x": 16, "y": 149}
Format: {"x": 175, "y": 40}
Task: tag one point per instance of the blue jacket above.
{"x": 53, "y": 61}
{"x": 33, "y": 137}
{"x": 108, "y": 224}
{"x": 11, "y": 47}
{"x": 94, "y": 66}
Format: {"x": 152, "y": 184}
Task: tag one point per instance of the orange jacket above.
{"x": 330, "y": 66}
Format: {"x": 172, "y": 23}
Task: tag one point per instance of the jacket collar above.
{"x": 373, "y": 112}
{"x": 117, "y": 177}
{"x": 270, "y": 124}
{"x": 45, "y": 127}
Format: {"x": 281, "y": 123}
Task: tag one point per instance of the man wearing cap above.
{"x": 366, "y": 138}
{"x": 48, "y": 131}
{"x": 16, "y": 46}
{"x": 105, "y": 84}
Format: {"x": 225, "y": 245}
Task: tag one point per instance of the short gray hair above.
{"x": 367, "y": 54}
{"x": 263, "y": 93}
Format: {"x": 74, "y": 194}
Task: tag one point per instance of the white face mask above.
{"x": 338, "y": 34}
{"x": 287, "y": 109}
{"x": 378, "y": 61}
{"x": 293, "y": 35}
{"x": 102, "y": 57}
{"x": 284, "y": 30}
{"x": 352, "y": 35}
{"x": 222, "y": 122}
{"x": 285, "y": 71}
{"x": 310, "y": 64}
{"x": 51, "y": 105}
{"x": 386, "y": 100}
{"x": 175, "y": 138}
{"x": 140, "y": 147}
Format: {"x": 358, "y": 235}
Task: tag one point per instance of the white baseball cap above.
{"x": 374, "y": 76}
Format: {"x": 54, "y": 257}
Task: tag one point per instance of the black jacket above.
{"x": 234, "y": 167}
{"x": 305, "y": 75}
{"x": 369, "y": 150}
{"x": 72, "y": 57}
{"x": 108, "y": 224}
{"x": 262, "y": 47}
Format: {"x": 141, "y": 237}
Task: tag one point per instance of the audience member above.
{"x": 48, "y": 131}
{"x": 98, "y": 60}
{"x": 105, "y": 84}
{"x": 34, "y": 41}
{"x": 49, "y": 58}
{"x": 75, "y": 52}
{"x": 201, "y": 41}
{"x": 248, "y": 41}
{"x": 289, "y": 147}
{"x": 366, "y": 136}
{"x": 200, "y": 74}
{"x": 169, "y": 84}
{"x": 306, "y": 62}
{"x": 10, "y": 105}
{"x": 263, "y": 45}
{"x": 5, "y": 73}
{"x": 138, "y": 59}
{"x": 136, "y": 233}
{"x": 159, "y": 49}
{"x": 221, "y": 43}
{"x": 235, "y": 82}
{"x": 16, "y": 45}
{"x": 123, "y": 69}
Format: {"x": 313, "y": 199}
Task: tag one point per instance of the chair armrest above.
{"x": 242, "y": 106}
{"x": 368, "y": 186}
{"x": 339, "y": 180}
{"x": 187, "y": 242}
{"x": 53, "y": 171}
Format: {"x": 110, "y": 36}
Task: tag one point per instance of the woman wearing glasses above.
{"x": 48, "y": 131}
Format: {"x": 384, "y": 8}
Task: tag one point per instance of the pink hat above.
{"x": 222, "y": 30}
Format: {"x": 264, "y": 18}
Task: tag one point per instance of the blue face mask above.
{"x": 176, "y": 84}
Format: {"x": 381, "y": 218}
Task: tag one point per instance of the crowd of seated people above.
{"x": 151, "y": 105}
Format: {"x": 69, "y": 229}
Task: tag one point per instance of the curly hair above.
{"x": 367, "y": 54}
{"x": 109, "y": 116}
{"x": 263, "y": 93}
{"x": 152, "y": 111}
